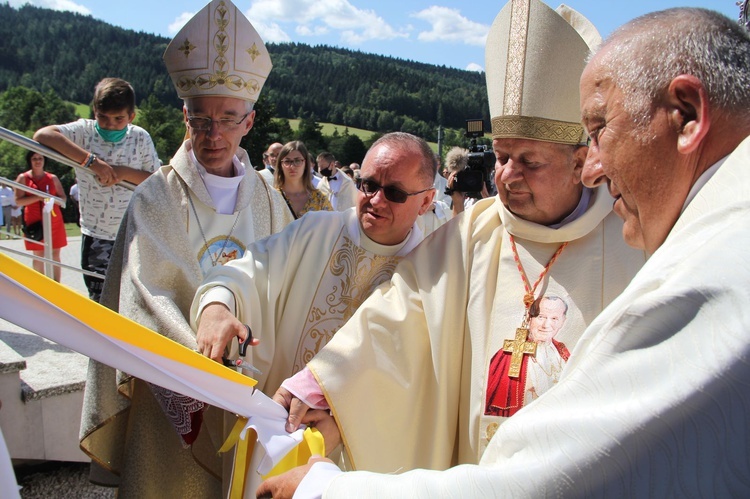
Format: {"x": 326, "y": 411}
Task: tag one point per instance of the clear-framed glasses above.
{"x": 296, "y": 162}
{"x": 393, "y": 194}
{"x": 201, "y": 124}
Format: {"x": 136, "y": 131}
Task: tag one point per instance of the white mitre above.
{"x": 218, "y": 53}
{"x": 534, "y": 59}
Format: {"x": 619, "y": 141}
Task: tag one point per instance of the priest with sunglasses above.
{"x": 431, "y": 365}
{"x": 295, "y": 289}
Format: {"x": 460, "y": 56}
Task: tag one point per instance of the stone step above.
{"x": 10, "y": 361}
{"x": 41, "y": 383}
{"x": 41, "y": 388}
{"x": 46, "y": 369}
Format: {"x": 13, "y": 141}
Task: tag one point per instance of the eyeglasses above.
{"x": 393, "y": 194}
{"x": 204, "y": 124}
{"x": 295, "y": 162}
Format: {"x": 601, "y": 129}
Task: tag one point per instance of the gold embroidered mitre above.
{"x": 534, "y": 58}
{"x": 218, "y": 53}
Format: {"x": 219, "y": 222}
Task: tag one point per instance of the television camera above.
{"x": 480, "y": 167}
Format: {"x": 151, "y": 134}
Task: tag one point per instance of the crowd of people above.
{"x": 570, "y": 328}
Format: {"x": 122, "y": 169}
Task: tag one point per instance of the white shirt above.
{"x": 102, "y": 208}
{"x": 6, "y": 195}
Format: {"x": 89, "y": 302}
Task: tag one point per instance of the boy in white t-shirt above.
{"x": 114, "y": 150}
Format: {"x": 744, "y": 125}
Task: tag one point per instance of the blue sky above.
{"x": 443, "y": 32}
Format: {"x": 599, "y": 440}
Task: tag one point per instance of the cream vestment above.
{"x": 421, "y": 347}
{"x": 297, "y": 288}
{"x": 158, "y": 261}
{"x": 653, "y": 402}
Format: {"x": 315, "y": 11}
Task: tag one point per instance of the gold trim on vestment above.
{"x": 528, "y": 127}
{"x": 514, "y": 76}
{"x": 351, "y": 275}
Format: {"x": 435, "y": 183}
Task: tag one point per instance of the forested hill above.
{"x": 46, "y": 49}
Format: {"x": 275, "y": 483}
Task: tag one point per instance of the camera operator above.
{"x": 456, "y": 161}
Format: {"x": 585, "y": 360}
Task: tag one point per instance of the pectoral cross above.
{"x": 518, "y": 348}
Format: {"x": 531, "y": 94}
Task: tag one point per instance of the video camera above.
{"x": 480, "y": 166}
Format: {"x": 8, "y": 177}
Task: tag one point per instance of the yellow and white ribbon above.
{"x": 54, "y": 311}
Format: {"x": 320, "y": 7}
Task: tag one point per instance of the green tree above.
{"x": 263, "y": 133}
{"x": 347, "y": 148}
{"x": 11, "y": 159}
{"x": 23, "y": 109}
{"x": 372, "y": 139}
{"x": 165, "y": 124}
{"x": 310, "y": 132}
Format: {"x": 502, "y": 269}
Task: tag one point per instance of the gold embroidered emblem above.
{"x": 351, "y": 274}
{"x": 254, "y": 52}
{"x": 186, "y": 47}
{"x": 528, "y": 127}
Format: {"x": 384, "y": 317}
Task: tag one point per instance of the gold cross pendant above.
{"x": 518, "y": 348}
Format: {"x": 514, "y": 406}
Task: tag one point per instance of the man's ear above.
{"x": 689, "y": 112}
{"x": 427, "y": 201}
{"x": 249, "y": 122}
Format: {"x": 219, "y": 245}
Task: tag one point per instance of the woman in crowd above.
{"x": 293, "y": 178}
{"x": 37, "y": 178}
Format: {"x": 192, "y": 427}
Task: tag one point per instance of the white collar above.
{"x": 223, "y": 190}
{"x": 359, "y": 238}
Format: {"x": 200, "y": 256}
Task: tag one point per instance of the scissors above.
{"x": 241, "y": 363}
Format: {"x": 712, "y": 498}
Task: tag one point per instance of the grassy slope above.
{"x": 329, "y": 128}
{"x": 82, "y": 110}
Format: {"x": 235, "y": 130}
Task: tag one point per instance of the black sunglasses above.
{"x": 393, "y": 194}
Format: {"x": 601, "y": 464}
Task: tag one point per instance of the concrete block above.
{"x": 61, "y": 420}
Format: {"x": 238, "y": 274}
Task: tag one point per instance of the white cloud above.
{"x": 53, "y": 4}
{"x": 312, "y": 18}
{"x": 448, "y": 25}
{"x": 179, "y": 22}
{"x": 271, "y": 32}
{"x": 315, "y": 31}
{"x": 473, "y": 66}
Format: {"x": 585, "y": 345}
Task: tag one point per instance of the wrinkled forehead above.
{"x": 600, "y": 69}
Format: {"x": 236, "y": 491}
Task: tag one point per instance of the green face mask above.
{"x": 111, "y": 135}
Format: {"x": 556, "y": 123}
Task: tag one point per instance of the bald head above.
{"x": 407, "y": 141}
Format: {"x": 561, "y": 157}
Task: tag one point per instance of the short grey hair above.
{"x": 428, "y": 161}
{"x": 647, "y": 53}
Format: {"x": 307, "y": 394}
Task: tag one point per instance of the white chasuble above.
{"x": 297, "y": 288}
{"x": 423, "y": 345}
{"x": 163, "y": 248}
